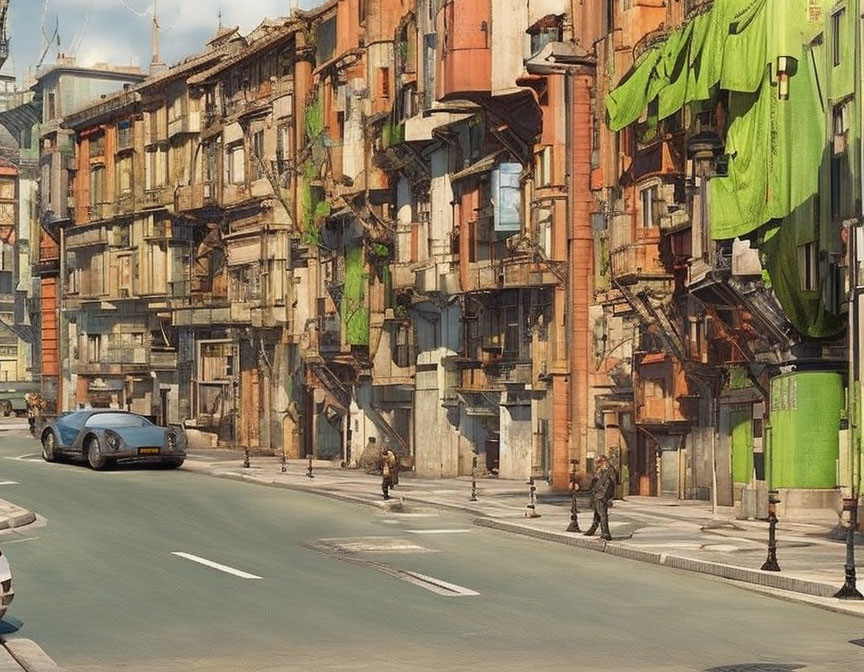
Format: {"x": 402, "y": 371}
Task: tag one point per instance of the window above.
{"x": 401, "y": 351}
{"x": 124, "y": 135}
{"x": 124, "y": 174}
{"x": 837, "y": 23}
{"x": 841, "y": 128}
{"x": 283, "y": 147}
{"x": 384, "y": 77}
{"x": 217, "y": 361}
{"x": 648, "y": 204}
{"x": 156, "y": 167}
{"x": 544, "y": 167}
{"x": 94, "y": 348}
{"x": 117, "y": 420}
{"x": 236, "y": 165}
{"x": 97, "y": 185}
{"x": 51, "y": 107}
{"x": 808, "y": 267}
{"x": 257, "y": 157}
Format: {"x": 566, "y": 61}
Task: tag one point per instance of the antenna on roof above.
{"x": 220, "y": 16}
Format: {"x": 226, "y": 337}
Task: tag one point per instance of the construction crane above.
{"x": 4, "y": 38}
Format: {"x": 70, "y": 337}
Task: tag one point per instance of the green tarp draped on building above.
{"x": 734, "y": 47}
{"x": 776, "y": 147}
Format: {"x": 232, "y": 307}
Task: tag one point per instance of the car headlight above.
{"x": 112, "y": 440}
{"x": 171, "y": 437}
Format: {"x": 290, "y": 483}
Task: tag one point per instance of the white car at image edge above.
{"x": 6, "y": 590}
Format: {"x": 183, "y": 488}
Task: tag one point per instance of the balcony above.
{"x": 465, "y": 54}
{"x": 638, "y": 261}
{"x": 157, "y": 197}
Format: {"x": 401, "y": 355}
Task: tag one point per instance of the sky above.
{"x": 118, "y": 31}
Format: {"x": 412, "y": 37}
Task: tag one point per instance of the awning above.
{"x": 484, "y": 165}
{"x": 21, "y": 118}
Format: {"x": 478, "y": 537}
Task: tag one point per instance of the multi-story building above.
{"x": 45, "y": 151}
{"x": 727, "y": 191}
{"x": 526, "y": 232}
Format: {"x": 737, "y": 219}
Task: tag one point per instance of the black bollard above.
{"x": 284, "y": 461}
{"x": 246, "y": 462}
{"x": 850, "y": 591}
{"x": 473, "y": 479}
{"x": 770, "y": 564}
{"x": 574, "y": 507}
{"x": 309, "y": 468}
{"x": 531, "y": 509}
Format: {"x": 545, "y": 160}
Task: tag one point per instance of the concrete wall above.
{"x": 516, "y": 440}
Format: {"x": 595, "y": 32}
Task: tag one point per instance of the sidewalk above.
{"x": 679, "y": 534}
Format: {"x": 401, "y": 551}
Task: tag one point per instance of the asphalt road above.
{"x": 307, "y": 583}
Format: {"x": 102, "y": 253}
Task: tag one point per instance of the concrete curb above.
{"x": 30, "y": 656}
{"x": 18, "y": 518}
{"x": 731, "y": 572}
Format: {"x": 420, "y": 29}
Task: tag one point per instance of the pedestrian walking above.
{"x": 602, "y": 492}
{"x": 389, "y": 476}
{"x": 32, "y": 401}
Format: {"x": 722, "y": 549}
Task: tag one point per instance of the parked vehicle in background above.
{"x": 106, "y": 436}
{"x": 7, "y": 592}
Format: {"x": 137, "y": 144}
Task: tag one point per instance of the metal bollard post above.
{"x": 531, "y": 509}
{"x": 574, "y": 508}
{"x": 284, "y": 461}
{"x": 246, "y": 462}
{"x": 770, "y": 564}
{"x": 849, "y": 591}
{"x": 473, "y": 479}
{"x": 309, "y": 468}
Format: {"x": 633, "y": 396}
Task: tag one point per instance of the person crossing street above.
{"x": 602, "y": 491}
{"x": 389, "y": 476}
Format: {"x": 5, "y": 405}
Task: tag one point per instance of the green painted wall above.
{"x": 742, "y": 446}
{"x": 805, "y": 425}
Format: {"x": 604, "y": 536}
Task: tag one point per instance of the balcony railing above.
{"x": 638, "y": 261}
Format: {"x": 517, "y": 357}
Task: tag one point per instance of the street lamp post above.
{"x": 531, "y": 508}
{"x": 849, "y": 591}
{"x": 574, "y": 489}
{"x": 473, "y": 478}
{"x": 770, "y": 564}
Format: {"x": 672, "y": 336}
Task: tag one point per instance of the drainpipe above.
{"x": 61, "y": 291}
{"x": 573, "y": 452}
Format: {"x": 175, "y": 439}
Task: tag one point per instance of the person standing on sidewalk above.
{"x": 388, "y": 471}
{"x": 602, "y": 491}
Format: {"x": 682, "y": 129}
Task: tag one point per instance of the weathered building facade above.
{"x": 529, "y": 232}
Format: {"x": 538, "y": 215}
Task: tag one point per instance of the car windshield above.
{"x": 117, "y": 420}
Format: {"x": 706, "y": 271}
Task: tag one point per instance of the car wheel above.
{"x": 48, "y": 443}
{"x": 95, "y": 458}
{"x": 171, "y": 464}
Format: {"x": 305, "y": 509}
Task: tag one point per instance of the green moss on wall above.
{"x": 355, "y": 313}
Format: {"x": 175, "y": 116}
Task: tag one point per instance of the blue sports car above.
{"x": 106, "y": 436}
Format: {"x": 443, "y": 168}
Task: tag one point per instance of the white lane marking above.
{"x": 437, "y": 531}
{"x": 9, "y": 483}
{"x": 215, "y": 565}
{"x": 437, "y": 585}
